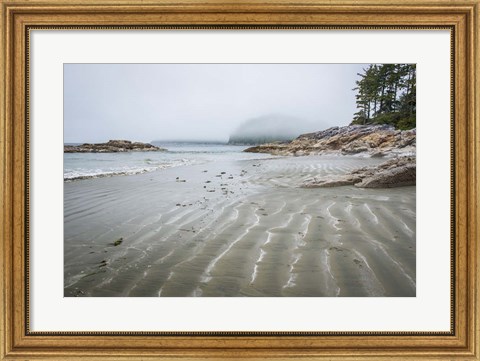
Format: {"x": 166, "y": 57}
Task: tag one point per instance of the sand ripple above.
{"x": 249, "y": 231}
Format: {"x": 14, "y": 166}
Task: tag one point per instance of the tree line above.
{"x": 386, "y": 94}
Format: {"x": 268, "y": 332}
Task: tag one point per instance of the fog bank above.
{"x": 142, "y": 102}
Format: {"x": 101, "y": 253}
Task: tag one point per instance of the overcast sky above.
{"x": 145, "y": 102}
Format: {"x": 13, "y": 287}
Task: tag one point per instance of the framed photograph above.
{"x": 239, "y": 180}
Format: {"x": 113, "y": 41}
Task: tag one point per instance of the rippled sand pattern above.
{"x": 250, "y": 231}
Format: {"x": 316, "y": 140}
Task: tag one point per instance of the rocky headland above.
{"x": 370, "y": 140}
{"x": 366, "y": 140}
{"x": 112, "y": 146}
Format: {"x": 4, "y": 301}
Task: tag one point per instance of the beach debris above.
{"x": 335, "y": 249}
{"x": 358, "y": 262}
{"x": 78, "y": 293}
{"x": 118, "y": 242}
{"x": 103, "y": 263}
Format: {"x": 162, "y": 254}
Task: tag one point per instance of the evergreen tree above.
{"x": 386, "y": 94}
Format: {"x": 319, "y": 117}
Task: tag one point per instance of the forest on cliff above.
{"x": 386, "y": 94}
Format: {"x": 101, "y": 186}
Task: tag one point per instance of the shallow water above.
{"x": 96, "y": 165}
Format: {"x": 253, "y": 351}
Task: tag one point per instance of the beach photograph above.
{"x": 239, "y": 180}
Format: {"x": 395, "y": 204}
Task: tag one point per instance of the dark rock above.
{"x": 392, "y": 177}
{"x": 377, "y": 155}
{"x": 396, "y": 172}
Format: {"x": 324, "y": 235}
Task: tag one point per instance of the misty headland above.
{"x": 270, "y": 128}
{"x": 283, "y": 206}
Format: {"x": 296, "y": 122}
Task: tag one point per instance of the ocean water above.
{"x": 78, "y": 166}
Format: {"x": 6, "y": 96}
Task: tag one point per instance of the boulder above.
{"x": 393, "y": 177}
{"x": 396, "y": 172}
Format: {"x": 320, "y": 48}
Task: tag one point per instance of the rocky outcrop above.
{"x": 112, "y": 146}
{"x": 373, "y": 140}
{"x": 396, "y": 172}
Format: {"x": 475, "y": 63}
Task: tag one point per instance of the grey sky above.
{"x": 145, "y": 102}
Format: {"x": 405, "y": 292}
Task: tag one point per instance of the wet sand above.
{"x": 239, "y": 228}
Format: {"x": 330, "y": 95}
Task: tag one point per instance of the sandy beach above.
{"x": 239, "y": 228}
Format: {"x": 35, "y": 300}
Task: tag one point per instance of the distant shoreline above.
{"x": 112, "y": 146}
{"x": 213, "y": 142}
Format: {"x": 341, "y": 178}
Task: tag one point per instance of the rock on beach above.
{"x": 396, "y": 172}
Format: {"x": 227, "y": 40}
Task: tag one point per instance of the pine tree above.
{"x": 386, "y": 94}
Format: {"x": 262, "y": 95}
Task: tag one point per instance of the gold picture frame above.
{"x": 21, "y": 16}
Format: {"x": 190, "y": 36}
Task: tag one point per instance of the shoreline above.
{"x": 81, "y": 166}
{"x": 251, "y": 231}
